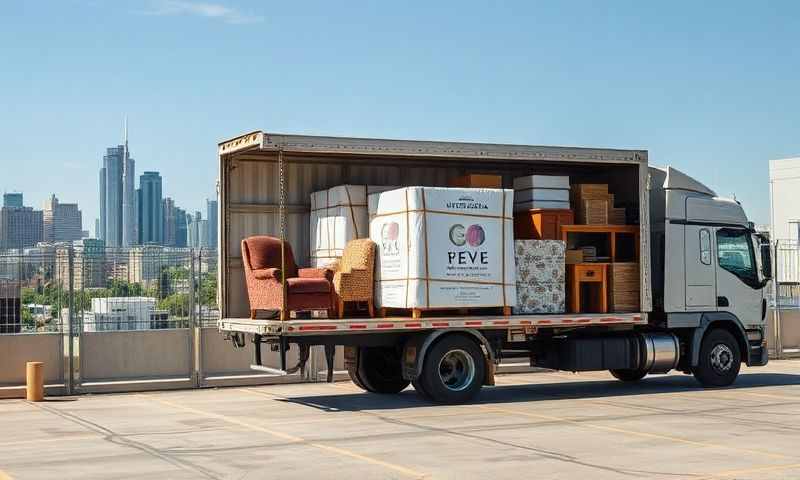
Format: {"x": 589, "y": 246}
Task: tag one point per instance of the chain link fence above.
{"x": 784, "y": 297}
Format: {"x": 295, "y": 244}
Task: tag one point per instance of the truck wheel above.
{"x": 628, "y": 374}
{"x": 353, "y": 372}
{"x": 380, "y": 370}
{"x": 417, "y": 384}
{"x": 453, "y": 370}
{"x": 720, "y": 359}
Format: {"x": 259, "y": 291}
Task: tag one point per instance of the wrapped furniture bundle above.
{"x": 338, "y": 215}
{"x": 541, "y": 192}
{"x": 443, "y": 247}
{"x": 540, "y": 276}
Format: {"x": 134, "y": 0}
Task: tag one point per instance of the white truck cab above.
{"x": 715, "y": 267}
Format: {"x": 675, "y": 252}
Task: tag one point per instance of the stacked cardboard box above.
{"x": 540, "y": 276}
{"x": 624, "y": 287}
{"x": 541, "y": 192}
{"x": 595, "y": 205}
{"x": 477, "y": 180}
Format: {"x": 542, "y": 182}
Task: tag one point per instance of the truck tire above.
{"x": 353, "y": 372}
{"x": 380, "y": 370}
{"x": 628, "y": 374}
{"x": 453, "y": 370}
{"x": 720, "y": 359}
{"x": 417, "y": 384}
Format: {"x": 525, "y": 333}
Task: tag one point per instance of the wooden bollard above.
{"x": 34, "y": 376}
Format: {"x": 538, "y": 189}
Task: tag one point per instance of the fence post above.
{"x": 194, "y": 282}
{"x": 776, "y": 313}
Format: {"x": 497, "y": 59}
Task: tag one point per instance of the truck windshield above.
{"x": 735, "y": 253}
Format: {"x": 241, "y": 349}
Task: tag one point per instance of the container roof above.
{"x": 258, "y": 142}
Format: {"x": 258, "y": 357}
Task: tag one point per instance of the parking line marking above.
{"x": 634, "y": 432}
{"x": 766, "y": 468}
{"x": 292, "y": 438}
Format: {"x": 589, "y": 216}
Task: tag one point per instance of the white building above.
{"x": 784, "y": 192}
{"x": 124, "y": 313}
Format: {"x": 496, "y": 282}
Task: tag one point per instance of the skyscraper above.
{"x": 129, "y": 217}
{"x": 100, "y": 231}
{"x": 20, "y": 227}
{"x": 62, "y": 221}
{"x": 180, "y": 227}
{"x": 112, "y": 190}
{"x": 13, "y": 199}
{"x": 193, "y": 230}
{"x": 169, "y": 225}
{"x": 211, "y": 216}
{"x": 150, "y": 211}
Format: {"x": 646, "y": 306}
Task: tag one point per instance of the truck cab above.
{"x": 711, "y": 269}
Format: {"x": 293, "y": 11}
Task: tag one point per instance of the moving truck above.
{"x": 702, "y": 267}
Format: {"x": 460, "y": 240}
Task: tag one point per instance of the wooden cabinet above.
{"x": 541, "y": 224}
{"x": 596, "y": 276}
{"x": 477, "y": 180}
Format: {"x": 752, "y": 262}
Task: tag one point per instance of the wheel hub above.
{"x": 457, "y": 370}
{"x": 721, "y": 358}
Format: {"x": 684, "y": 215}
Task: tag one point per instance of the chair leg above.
{"x": 341, "y": 308}
{"x": 252, "y": 314}
{"x": 284, "y": 315}
{"x": 371, "y": 308}
{"x": 416, "y": 313}
{"x": 382, "y": 312}
{"x": 506, "y": 311}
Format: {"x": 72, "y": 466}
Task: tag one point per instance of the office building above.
{"x": 211, "y": 217}
{"x": 145, "y": 263}
{"x": 129, "y": 214}
{"x": 20, "y": 227}
{"x": 168, "y": 226}
{"x": 111, "y": 193}
{"x": 181, "y": 227}
{"x": 784, "y": 183}
{"x": 195, "y": 231}
{"x": 88, "y": 265}
{"x": 13, "y": 199}
{"x": 10, "y": 307}
{"x": 62, "y": 221}
{"x": 100, "y": 224}
{"x": 150, "y": 209}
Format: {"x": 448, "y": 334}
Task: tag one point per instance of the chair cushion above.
{"x": 308, "y": 285}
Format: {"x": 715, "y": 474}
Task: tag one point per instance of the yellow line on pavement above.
{"x": 634, "y": 432}
{"x": 291, "y": 438}
{"x": 745, "y": 471}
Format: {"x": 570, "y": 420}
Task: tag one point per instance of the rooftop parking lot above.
{"x": 556, "y": 425}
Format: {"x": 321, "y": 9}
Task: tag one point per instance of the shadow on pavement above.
{"x": 350, "y": 402}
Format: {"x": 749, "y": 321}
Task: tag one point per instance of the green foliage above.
{"x": 177, "y": 304}
{"x": 207, "y": 290}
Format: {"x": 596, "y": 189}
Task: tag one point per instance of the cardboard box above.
{"x": 574, "y": 256}
{"x": 593, "y": 212}
{"x": 625, "y": 287}
{"x": 477, "y": 180}
{"x": 588, "y": 191}
{"x": 338, "y": 215}
{"x": 541, "y": 205}
{"x": 443, "y": 247}
{"x": 617, "y": 216}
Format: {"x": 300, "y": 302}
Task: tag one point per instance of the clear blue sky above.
{"x": 711, "y": 88}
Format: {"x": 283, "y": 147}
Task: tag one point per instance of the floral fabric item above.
{"x": 540, "y": 276}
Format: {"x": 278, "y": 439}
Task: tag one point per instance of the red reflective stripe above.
{"x": 544, "y": 321}
{"x": 413, "y": 325}
{"x": 583, "y": 320}
{"x": 385, "y": 325}
{"x": 566, "y": 320}
{"x": 500, "y": 322}
{"x": 357, "y": 326}
{"x": 472, "y": 323}
{"x": 440, "y": 324}
{"x": 524, "y": 322}
{"x": 316, "y": 327}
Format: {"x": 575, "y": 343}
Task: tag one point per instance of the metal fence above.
{"x": 784, "y": 321}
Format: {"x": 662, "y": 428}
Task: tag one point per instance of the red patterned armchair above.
{"x": 307, "y": 288}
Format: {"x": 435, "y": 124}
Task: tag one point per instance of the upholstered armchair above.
{"x": 354, "y": 274}
{"x": 307, "y": 288}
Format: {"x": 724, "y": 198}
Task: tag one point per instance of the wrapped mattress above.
{"x": 443, "y": 247}
{"x": 540, "y": 276}
{"x": 338, "y": 215}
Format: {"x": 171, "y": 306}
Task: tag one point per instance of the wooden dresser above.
{"x": 541, "y": 224}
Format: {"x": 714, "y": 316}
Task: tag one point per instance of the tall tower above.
{"x": 129, "y": 226}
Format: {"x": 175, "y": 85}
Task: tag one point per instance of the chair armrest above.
{"x": 315, "y": 273}
{"x": 267, "y": 273}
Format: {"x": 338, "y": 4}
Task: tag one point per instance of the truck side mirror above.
{"x": 766, "y": 260}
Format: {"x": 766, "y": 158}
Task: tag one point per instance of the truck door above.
{"x": 739, "y": 289}
{"x": 701, "y": 287}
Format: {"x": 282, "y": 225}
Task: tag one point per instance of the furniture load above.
{"x": 541, "y": 192}
{"x": 338, "y": 215}
{"x": 353, "y": 280}
{"x": 540, "y": 276}
{"x": 588, "y": 287}
{"x": 625, "y": 288}
{"x": 612, "y": 233}
{"x": 477, "y": 180}
{"x": 594, "y": 205}
{"x": 541, "y": 224}
{"x": 443, "y": 248}
{"x": 306, "y": 288}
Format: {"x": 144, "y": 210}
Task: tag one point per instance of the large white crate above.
{"x": 443, "y": 247}
{"x": 338, "y": 215}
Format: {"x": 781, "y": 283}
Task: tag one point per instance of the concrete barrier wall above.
{"x": 16, "y": 350}
{"x": 136, "y": 355}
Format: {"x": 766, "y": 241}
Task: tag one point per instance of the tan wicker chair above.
{"x": 354, "y": 274}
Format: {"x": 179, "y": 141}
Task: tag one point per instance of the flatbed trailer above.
{"x": 265, "y": 181}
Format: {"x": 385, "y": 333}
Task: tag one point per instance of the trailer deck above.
{"x": 299, "y": 327}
